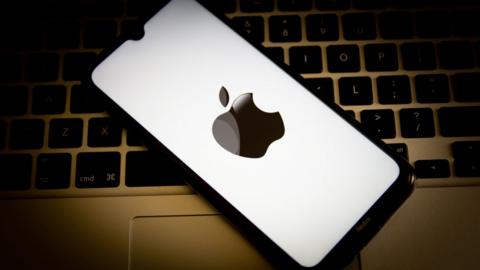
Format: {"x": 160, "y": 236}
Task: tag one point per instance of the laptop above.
{"x": 80, "y": 191}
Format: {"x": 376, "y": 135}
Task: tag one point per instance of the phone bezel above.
{"x": 357, "y": 237}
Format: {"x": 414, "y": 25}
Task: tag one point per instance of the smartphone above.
{"x": 295, "y": 173}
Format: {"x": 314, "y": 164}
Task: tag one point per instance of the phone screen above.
{"x": 285, "y": 160}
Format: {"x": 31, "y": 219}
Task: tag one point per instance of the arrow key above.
{"x": 436, "y": 168}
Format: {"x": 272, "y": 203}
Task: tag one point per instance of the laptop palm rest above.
{"x": 190, "y": 242}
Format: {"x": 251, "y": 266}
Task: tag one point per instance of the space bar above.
{"x": 459, "y": 121}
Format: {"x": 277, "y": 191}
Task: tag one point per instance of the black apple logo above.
{"x": 246, "y": 130}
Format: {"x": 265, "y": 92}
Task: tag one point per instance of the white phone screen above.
{"x": 311, "y": 185}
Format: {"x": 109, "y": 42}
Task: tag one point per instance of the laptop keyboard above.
{"x": 409, "y": 71}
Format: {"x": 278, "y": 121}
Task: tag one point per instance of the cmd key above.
{"x": 96, "y": 170}
{"x": 466, "y": 156}
{"x": 438, "y": 168}
{"x": 459, "y": 121}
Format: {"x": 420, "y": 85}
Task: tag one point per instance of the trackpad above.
{"x": 190, "y": 242}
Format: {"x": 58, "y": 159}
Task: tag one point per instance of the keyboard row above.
{"x": 103, "y": 132}
{"x": 452, "y": 55}
{"x": 429, "y": 88}
{"x": 93, "y": 170}
{"x": 362, "y": 26}
{"x": 144, "y": 168}
{"x": 64, "y": 133}
{"x": 96, "y": 33}
{"x": 305, "y": 5}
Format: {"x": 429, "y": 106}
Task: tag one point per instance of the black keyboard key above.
{"x": 99, "y": 34}
{"x": 432, "y": 24}
{"x": 48, "y": 99}
{"x": 432, "y": 88}
{"x": 76, "y": 66}
{"x": 97, "y": 170}
{"x": 417, "y": 123}
{"x": 3, "y": 134}
{"x": 15, "y": 172}
{"x": 466, "y": 87}
{"x": 13, "y": 100}
{"x": 395, "y": 25}
{"x": 294, "y": 5}
{"x": 63, "y": 35}
{"x": 86, "y": 100}
{"x": 370, "y": 4}
{"x": 11, "y": 68}
{"x": 145, "y": 168}
{"x": 401, "y": 149}
{"x": 252, "y": 26}
{"x": 276, "y": 53}
{"x": 133, "y": 138}
{"x": 256, "y": 5}
{"x": 42, "y": 67}
{"x": 307, "y": 59}
{"x": 53, "y": 171}
{"x": 322, "y": 27}
{"x": 469, "y": 149}
{"x": 332, "y": 4}
{"x": 394, "y": 89}
{"x": 27, "y": 134}
{"x": 285, "y": 28}
{"x": 381, "y": 57}
{"x": 466, "y": 156}
{"x": 355, "y": 91}
{"x": 467, "y": 167}
{"x": 343, "y": 58}
{"x": 465, "y": 23}
{"x": 103, "y": 132}
{"x": 359, "y": 26}
{"x": 380, "y": 123}
{"x": 65, "y": 133}
{"x": 456, "y": 55}
{"x": 322, "y": 88}
{"x": 459, "y": 121}
{"x": 418, "y": 56}
{"x": 436, "y": 168}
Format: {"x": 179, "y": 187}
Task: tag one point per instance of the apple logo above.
{"x": 246, "y": 130}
